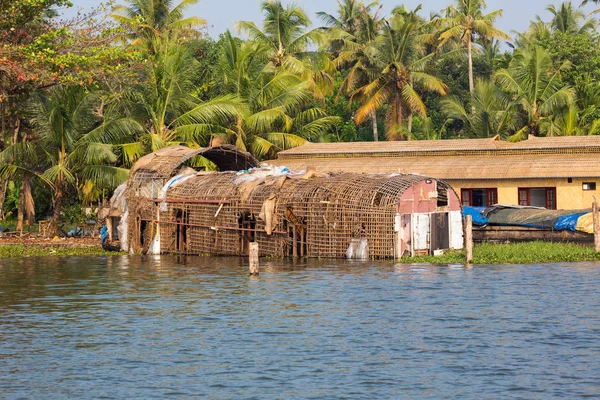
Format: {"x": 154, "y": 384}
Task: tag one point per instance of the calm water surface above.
{"x": 122, "y": 328}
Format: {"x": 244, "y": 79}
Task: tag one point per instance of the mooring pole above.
{"x": 469, "y": 238}
{"x": 254, "y": 258}
{"x": 596, "y": 226}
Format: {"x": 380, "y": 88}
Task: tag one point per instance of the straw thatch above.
{"x": 466, "y": 159}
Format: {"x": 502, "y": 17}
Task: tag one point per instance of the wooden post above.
{"x": 596, "y": 227}
{"x": 254, "y": 258}
{"x": 295, "y": 244}
{"x": 469, "y": 238}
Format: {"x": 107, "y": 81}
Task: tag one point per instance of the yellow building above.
{"x": 556, "y": 173}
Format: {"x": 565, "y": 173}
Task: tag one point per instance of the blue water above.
{"x": 124, "y": 328}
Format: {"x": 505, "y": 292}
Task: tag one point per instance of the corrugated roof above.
{"x": 462, "y": 167}
{"x": 442, "y": 146}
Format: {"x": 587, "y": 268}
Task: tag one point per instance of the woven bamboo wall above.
{"x": 327, "y": 212}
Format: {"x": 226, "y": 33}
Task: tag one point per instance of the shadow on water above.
{"x": 190, "y": 327}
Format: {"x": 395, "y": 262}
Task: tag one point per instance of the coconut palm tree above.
{"x": 398, "y": 57}
{"x": 278, "y": 104}
{"x": 466, "y": 20}
{"x": 536, "y": 89}
{"x": 66, "y": 152}
{"x": 487, "y": 115}
{"x": 362, "y": 26}
{"x": 285, "y": 31}
{"x": 147, "y": 20}
{"x": 567, "y": 19}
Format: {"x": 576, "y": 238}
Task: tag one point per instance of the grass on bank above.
{"x": 486, "y": 253}
{"x": 18, "y": 250}
{"x": 515, "y": 253}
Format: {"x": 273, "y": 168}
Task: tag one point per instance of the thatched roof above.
{"x": 466, "y": 159}
{"x": 534, "y": 145}
{"x": 162, "y": 163}
{"x": 462, "y": 167}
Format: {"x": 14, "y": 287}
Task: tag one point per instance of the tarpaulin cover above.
{"x": 585, "y": 223}
{"x": 568, "y": 222}
{"x": 535, "y": 218}
{"x": 476, "y": 214}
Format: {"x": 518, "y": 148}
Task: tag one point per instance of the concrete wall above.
{"x": 569, "y": 196}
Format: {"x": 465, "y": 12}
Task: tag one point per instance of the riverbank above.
{"x": 18, "y": 251}
{"x": 485, "y": 253}
{"x": 516, "y": 253}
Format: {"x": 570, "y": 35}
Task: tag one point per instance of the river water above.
{"x": 124, "y": 328}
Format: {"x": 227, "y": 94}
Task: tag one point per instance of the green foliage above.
{"x": 515, "y": 253}
{"x": 82, "y": 100}
{"x": 17, "y": 251}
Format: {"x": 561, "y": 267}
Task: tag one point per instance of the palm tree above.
{"x": 487, "y": 115}
{"x": 147, "y": 20}
{"x": 285, "y": 32}
{"x": 362, "y": 26}
{"x": 536, "y": 90}
{"x": 567, "y": 19}
{"x": 66, "y": 151}
{"x": 278, "y": 114}
{"x": 465, "y": 21}
{"x": 156, "y": 108}
{"x": 398, "y": 57}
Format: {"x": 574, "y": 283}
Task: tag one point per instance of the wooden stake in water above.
{"x": 254, "y": 258}
{"x": 596, "y": 226}
{"x": 469, "y": 238}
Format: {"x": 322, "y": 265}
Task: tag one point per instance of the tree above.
{"x": 362, "y": 26}
{"x": 536, "y": 88}
{"x": 285, "y": 32}
{"x": 398, "y": 57}
{"x": 148, "y": 22}
{"x": 487, "y": 115}
{"x": 279, "y": 113}
{"x": 465, "y": 21}
{"x": 569, "y": 20}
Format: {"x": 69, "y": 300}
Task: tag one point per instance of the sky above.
{"x": 223, "y": 14}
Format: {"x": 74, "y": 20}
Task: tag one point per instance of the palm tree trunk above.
{"x": 399, "y": 115}
{"x": 21, "y": 210}
{"x": 374, "y": 122}
{"x": 56, "y": 210}
{"x": 470, "y": 56}
{"x": 3, "y": 187}
{"x": 410, "y": 124}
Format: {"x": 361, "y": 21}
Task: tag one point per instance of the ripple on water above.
{"x": 126, "y": 327}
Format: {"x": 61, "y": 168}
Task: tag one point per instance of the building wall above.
{"x": 569, "y": 196}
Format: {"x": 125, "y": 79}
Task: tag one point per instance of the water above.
{"x": 124, "y": 328}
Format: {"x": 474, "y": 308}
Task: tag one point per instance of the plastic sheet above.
{"x": 568, "y": 222}
{"x": 529, "y": 217}
{"x": 264, "y": 171}
{"x": 585, "y": 223}
{"x": 174, "y": 181}
{"x": 477, "y": 214}
{"x": 358, "y": 249}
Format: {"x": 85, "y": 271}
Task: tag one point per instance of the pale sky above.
{"x": 222, "y": 14}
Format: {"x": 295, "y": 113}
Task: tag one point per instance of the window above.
{"x": 479, "y": 197}
{"x": 589, "y": 185}
{"x": 538, "y": 197}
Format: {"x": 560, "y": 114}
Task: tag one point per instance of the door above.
{"x": 440, "y": 231}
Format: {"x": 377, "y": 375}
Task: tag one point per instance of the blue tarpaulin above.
{"x": 104, "y": 234}
{"x": 476, "y": 214}
{"x": 568, "y": 222}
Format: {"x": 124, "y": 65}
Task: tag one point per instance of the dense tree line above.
{"x": 82, "y": 99}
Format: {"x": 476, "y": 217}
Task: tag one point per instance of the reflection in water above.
{"x": 192, "y": 327}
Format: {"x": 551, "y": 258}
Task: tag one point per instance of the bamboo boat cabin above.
{"x": 168, "y": 207}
